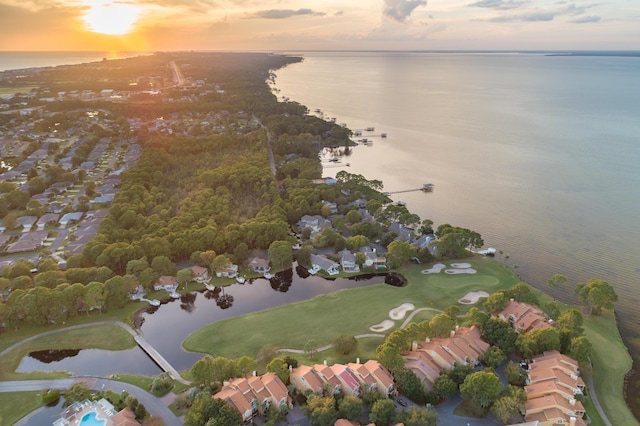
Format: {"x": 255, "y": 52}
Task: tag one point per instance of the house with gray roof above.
{"x": 320, "y": 262}
{"x": 348, "y": 261}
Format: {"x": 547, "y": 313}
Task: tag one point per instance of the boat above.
{"x": 357, "y": 133}
{"x": 334, "y": 159}
{"x": 267, "y": 275}
{"x": 240, "y": 280}
{"x": 427, "y": 187}
{"x": 318, "y": 110}
{"x": 383, "y": 135}
{"x": 370, "y": 129}
{"x": 400, "y": 203}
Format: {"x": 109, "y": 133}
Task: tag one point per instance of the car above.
{"x": 401, "y": 402}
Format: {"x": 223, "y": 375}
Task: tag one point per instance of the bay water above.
{"x": 538, "y": 153}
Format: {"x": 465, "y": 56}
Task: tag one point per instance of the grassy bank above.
{"x": 349, "y": 312}
{"x": 15, "y": 405}
{"x": 109, "y": 337}
{"x": 611, "y": 361}
{"x": 10, "y": 337}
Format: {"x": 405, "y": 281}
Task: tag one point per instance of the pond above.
{"x": 166, "y": 326}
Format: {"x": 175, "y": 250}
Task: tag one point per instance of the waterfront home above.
{"x": 259, "y": 265}
{"x": 200, "y": 274}
{"x": 166, "y": 283}
{"x": 320, "y": 262}
{"x": 315, "y": 223}
{"x": 523, "y": 317}
{"x": 229, "y": 272}
{"x": 348, "y": 261}
{"x": 553, "y": 382}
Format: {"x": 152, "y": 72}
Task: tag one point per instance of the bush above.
{"x": 50, "y": 397}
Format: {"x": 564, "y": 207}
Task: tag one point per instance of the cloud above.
{"x": 536, "y": 16}
{"x": 586, "y": 20}
{"x": 499, "y": 4}
{"x": 543, "y": 15}
{"x": 400, "y": 10}
{"x": 284, "y": 13}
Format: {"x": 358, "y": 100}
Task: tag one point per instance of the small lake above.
{"x": 166, "y": 326}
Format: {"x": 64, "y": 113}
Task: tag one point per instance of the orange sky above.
{"x": 330, "y": 24}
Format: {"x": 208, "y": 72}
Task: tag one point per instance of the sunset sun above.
{"x": 107, "y": 17}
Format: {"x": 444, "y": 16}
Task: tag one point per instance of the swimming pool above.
{"x": 90, "y": 419}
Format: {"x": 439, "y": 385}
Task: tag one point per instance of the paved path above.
{"x": 154, "y": 405}
{"x": 594, "y": 398}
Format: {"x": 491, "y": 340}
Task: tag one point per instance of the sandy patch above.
{"x": 472, "y": 297}
{"x": 399, "y": 312}
{"x": 435, "y": 269}
{"x": 383, "y": 326}
{"x": 461, "y": 265}
{"x": 460, "y": 271}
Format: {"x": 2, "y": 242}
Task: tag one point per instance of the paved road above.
{"x": 154, "y": 405}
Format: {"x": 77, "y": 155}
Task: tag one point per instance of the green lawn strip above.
{"x": 16, "y": 405}
{"x": 143, "y": 382}
{"x": 592, "y": 412}
{"x": 366, "y": 351}
{"x": 11, "y": 337}
{"x": 349, "y": 312}
{"x": 109, "y": 337}
{"x": 611, "y": 362}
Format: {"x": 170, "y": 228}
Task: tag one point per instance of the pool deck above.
{"x": 75, "y": 412}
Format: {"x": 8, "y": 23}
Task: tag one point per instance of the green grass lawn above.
{"x": 109, "y": 337}
{"x": 349, "y": 312}
{"x": 611, "y": 362}
{"x": 15, "y": 405}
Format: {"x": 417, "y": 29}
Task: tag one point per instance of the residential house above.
{"x": 253, "y": 395}
{"x": 259, "y": 265}
{"x": 402, "y": 232}
{"x": 333, "y": 207}
{"x": 553, "y": 383}
{"x": 70, "y": 218}
{"x": 166, "y": 283}
{"x": 348, "y": 261}
{"x": 382, "y": 376}
{"x": 320, "y": 262}
{"x": 523, "y": 317}
{"x": 328, "y": 377}
{"x": 463, "y": 347}
{"x": 27, "y": 222}
{"x": 28, "y": 241}
{"x": 315, "y": 223}
{"x": 47, "y": 219}
{"x": 229, "y": 272}
{"x": 373, "y": 258}
{"x": 200, "y": 274}
{"x": 304, "y": 378}
{"x": 349, "y": 382}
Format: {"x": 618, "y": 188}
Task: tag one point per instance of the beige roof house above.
{"x": 523, "y": 317}
{"x": 427, "y": 359}
{"x": 252, "y": 395}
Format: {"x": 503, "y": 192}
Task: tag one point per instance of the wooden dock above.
{"x": 158, "y": 359}
{"x": 425, "y": 188}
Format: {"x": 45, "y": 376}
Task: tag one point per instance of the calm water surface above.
{"x": 538, "y": 153}
{"x": 166, "y": 326}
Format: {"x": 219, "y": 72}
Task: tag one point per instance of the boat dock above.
{"x": 427, "y": 187}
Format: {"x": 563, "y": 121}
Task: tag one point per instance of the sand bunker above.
{"x": 383, "y": 326}
{"x": 460, "y": 271}
{"x": 399, "y": 312}
{"x": 435, "y": 269}
{"x": 472, "y": 297}
{"x": 461, "y": 265}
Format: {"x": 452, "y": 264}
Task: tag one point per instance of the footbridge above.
{"x": 158, "y": 359}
